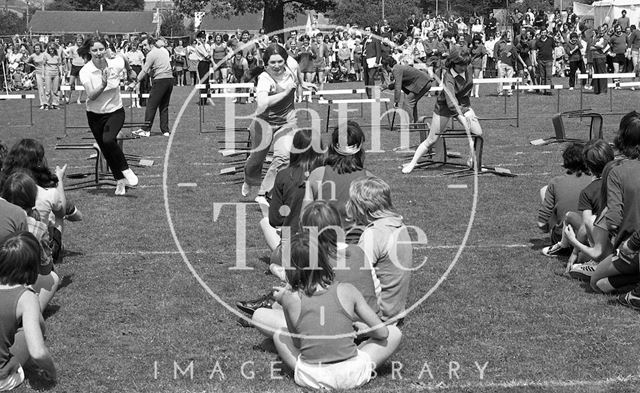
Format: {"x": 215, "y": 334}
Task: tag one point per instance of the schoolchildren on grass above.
{"x": 22, "y": 346}
{"x": 561, "y": 195}
{"x": 321, "y": 313}
{"x": 385, "y": 241}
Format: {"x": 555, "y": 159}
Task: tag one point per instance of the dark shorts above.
{"x": 620, "y": 59}
{"x": 75, "y": 70}
{"x": 624, "y": 265}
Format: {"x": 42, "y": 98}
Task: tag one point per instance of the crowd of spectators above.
{"x": 534, "y": 44}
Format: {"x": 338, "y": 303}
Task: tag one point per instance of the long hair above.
{"x": 84, "y": 50}
{"x": 29, "y": 154}
{"x": 369, "y": 200}
{"x": 350, "y": 158}
{"x": 322, "y": 215}
{"x": 309, "y": 265}
{"x": 305, "y": 152}
{"x": 628, "y": 139}
{"x": 19, "y": 259}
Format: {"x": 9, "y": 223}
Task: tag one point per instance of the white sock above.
{"x": 132, "y": 179}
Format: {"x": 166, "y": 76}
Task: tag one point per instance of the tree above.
{"x": 369, "y": 13}
{"x": 275, "y": 11}
{"x": 11, "y": 23}
{"x": 172, "y": 24}
{"x": 93, "y": 5}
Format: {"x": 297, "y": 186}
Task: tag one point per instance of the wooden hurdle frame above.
{"x": 30, "y": 97}
{"x": 626, "y": 75}
{"x": 124, "y": 94}
{"x": 204, "y": 93}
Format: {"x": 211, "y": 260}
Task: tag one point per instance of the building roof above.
{"x": 106, "y": 22}
{"x": 251, "y": 22}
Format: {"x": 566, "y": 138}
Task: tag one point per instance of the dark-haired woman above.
{"x": 343, "y": 165}
{"x": 203, "y": 52}
{"x": 101, "y": 80}
{"x": 275, "y": 122}
{"x": 453, "y": 101}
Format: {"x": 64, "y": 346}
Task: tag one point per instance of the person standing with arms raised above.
{"x": 157, "y": 64}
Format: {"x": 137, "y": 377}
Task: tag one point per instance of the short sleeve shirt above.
{"x": 91, "y": 78}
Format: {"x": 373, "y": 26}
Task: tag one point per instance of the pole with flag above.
{"x": 307, "y": 27}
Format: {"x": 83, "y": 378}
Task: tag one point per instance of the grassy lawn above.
{"x": 131, "y": 316}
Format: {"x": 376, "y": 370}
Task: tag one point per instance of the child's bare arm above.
{"x": 365, "y": 313}
{"x": 29, "y": 309}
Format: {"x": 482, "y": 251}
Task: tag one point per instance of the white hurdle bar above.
{"x": 622, "y": 75}
{"x": 30, "y": 97}
{"x": 123, "y": 93}
{"x": 360, "y": 101}
{"x": 205, "y": 92}
{"x": 322, "y": 93}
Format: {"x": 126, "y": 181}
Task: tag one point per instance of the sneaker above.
{"x": 121, "y": 187}
{"x": 629, "y": 299}
{"x": 262, "y": 200}
{"x": 54, "y": 107}
{"x": 43, "y": 107}
{"x": 250, "y": 306}
{"x": 141, "y": 132}
{"x": 500, "y": 94}
{"x": 246, "y": 189}
{"x": 79, "y": 102}
{"x": 166, "y": 133}
{"x": 571, "y": 88}
{"x": 74, "y": 215}
{"x": 509, "y": 93}
{"x": 131, "y": 180}
{"x": 555, "y": 250}
{"x": 583, "y": 271}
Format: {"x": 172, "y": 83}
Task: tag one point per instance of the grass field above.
{"x": 131, "y": 314}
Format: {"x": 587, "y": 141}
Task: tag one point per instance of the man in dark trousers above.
{"x": 543, "y": 49}
{"x": 371, "y": 56}
{"x": 157, "y": 65}
{"x": 411, "y": 24}
{"x": 414, "y": 83}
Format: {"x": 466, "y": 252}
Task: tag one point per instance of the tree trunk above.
{"x": 273, "y": 19}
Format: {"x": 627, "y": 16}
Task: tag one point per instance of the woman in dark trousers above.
{"x": 100, "y": 77}
{"x": 202, "y": 50}
{"x": 158, "y": 64}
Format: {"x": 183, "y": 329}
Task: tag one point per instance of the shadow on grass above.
{"x": 66, "y": 280}
{"x": 109, "y": 192}
{"x": 539, "y": 244}
{"x": 50, "y": 311}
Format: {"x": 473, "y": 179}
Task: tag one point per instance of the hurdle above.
{"x": 99, "y": 175}
{"x": 320, "y": 94}
{"x": 558, "y": 88}
{"x": 439, "y": 154}
{"x": 204, "y": 93}
{"x": 348, "y": 101}
{"x": 30, "y": 97}
{"x": 595, "y": 127}
{"x": 123, "y": 93}
{"x": 514, "y": 85}
{"x": 626, "y": 75}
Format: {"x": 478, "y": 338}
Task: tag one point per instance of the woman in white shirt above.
{"x": 37, "y": 61}
{"x": 105, "y": 114}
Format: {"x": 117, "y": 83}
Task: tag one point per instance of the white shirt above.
{"x": 91, "y": 78}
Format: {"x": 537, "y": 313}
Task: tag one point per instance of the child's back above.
{"x": 561, "y": 197}
{"x": 322, "y": 314}
{"x": 8, "y": 326}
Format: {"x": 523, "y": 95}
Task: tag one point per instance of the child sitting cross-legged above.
{"x": 320, "y": 313}
{"x": 561, "y": 196}
{"x": 385, "y": 241}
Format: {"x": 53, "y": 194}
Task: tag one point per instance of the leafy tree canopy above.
{"x": 11, "y": 23}
{"x": 93, "y": 5}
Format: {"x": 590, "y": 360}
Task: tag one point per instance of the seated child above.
{"x": 22, "y": 344}
{"x": 561, "y": 196}
{"x": 315, "y": 305}
{"x": 21, "y": 190}
{"x": 385, "y": 241}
